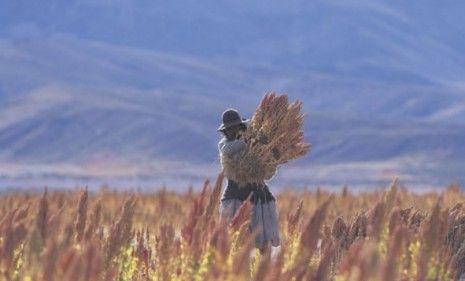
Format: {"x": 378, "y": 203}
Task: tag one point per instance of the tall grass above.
{"x": 379, "y": 235}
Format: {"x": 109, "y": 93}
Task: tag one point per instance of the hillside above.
{"x": 93, "y": 91}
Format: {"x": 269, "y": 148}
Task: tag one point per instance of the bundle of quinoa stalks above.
{"x": 273, "y": 137}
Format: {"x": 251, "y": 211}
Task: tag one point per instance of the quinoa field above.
{"x": 390, "y": 234}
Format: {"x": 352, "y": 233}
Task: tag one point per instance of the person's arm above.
{"x": 230, "y": 147}
{"x": 271, "y": 173}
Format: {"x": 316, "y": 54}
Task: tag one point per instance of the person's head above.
{"x": 232, "y": 123}
{"x": 231, "y": 132}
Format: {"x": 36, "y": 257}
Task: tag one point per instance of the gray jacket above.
{"x": 229, "y": 147}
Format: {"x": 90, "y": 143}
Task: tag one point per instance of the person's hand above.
{"x": 263, "y": 139}
{"x": 276, "y": 153}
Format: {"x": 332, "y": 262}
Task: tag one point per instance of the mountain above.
{"x": 130, "y": 92}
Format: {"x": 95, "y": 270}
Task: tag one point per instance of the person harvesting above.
{"x": 251, "y": 152}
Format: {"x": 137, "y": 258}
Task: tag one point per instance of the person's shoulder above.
{"x": 222, "y": 142}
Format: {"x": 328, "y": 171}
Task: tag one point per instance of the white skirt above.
{"x": 263, "y": 214}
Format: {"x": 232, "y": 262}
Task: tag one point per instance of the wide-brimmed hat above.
{"x": 230, "y": 118}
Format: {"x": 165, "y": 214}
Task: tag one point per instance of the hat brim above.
{"x": 223, "y": 126}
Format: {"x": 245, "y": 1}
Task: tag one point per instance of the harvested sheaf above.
{"x": 273, "y": 137}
